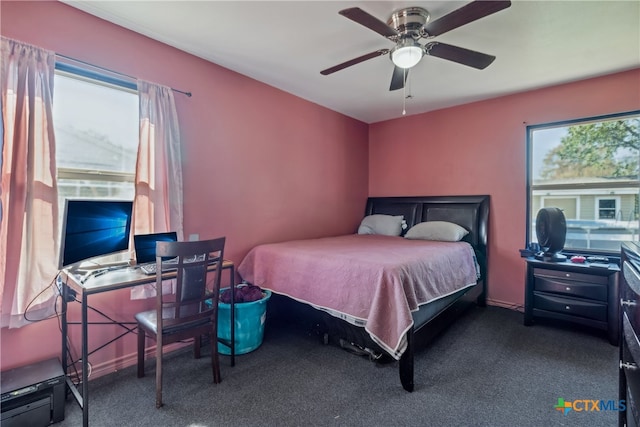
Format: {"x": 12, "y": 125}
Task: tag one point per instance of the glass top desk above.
{"x": 112, "y": 280}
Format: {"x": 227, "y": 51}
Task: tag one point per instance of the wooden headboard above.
{"x": 470, "y": 212}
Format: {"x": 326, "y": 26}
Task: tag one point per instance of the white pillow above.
{"x": 437, "y": 230}
{"x": 388, "y": 225}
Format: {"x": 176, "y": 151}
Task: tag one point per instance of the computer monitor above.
{"x": 145, "y": 245}
{"x": 94, "y": 228}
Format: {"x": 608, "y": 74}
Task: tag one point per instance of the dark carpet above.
{"x": 486, "y": 369}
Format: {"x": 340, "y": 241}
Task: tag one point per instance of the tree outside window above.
{"x": 596, "y": 162}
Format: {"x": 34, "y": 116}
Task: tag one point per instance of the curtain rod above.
{"x": 113, "y": 71}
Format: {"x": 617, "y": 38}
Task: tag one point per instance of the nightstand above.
{"x": 573, "y": 292}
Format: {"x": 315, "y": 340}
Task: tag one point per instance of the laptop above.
{"x": 145, "y": 248}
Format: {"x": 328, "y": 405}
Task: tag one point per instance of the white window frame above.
{"x": 93, "y": 175}
{"x": 617, "y": 201}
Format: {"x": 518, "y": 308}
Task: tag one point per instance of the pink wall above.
{"x": 256, "y": 173}
{"x": 479, "y": 148}
{"x": 260, "y": 165}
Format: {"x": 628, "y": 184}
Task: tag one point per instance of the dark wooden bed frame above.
{"x": 471, "y": 212}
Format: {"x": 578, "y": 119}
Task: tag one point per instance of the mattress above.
{"x": 372, "y": 281}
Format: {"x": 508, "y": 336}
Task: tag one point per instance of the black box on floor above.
{"x": 33, "y": 395}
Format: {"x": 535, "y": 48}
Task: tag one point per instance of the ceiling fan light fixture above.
{"x": 407, "y": 54}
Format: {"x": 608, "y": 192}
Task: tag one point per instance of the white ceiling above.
{"x": 287, "y": 43}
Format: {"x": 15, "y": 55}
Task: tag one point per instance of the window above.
{"x": 589, "y": 168}
{"x": 96, "y": 127}
{"x": 608, "y": 208}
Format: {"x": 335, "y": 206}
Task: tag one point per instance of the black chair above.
{"x": 188, "y": 311}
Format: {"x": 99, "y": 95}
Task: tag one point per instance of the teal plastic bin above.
{"x": 249, "y": 322}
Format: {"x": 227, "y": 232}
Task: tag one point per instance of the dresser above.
{"x": 573, "y": 292}
{"x": 629, "y": 374}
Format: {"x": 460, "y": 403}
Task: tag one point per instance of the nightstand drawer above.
{"x": 569, "y": 275}
{"x": 592, "y": 291}
{"x": 579, "y": 293}
{"x": 571, "y": 306}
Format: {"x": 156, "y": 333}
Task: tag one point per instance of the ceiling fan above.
{"x": 406, "y": 26}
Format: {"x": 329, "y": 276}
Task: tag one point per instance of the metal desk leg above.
{"x": 85, "y": 363}
{"x": 232, "y": 277}
{"x": 63, "y": 354}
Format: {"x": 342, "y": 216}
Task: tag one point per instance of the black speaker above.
{"x": 551, "y": 230}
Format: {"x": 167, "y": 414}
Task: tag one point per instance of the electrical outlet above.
{"x": 194, "y": 237}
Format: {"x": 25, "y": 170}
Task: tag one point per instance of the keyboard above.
{"x": 151, "y": 268}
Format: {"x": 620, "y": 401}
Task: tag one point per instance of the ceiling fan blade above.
{"x": 371, "y": 22}
{"x": 460, "y": 55}
{"x": 466, "y": 14}
{"x": 354, "y": 61}
{"x": 399, "y": 78}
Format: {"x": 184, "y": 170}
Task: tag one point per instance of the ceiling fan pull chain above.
{"x": 404, "y": 98}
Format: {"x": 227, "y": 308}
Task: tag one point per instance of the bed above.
{"x": 385, "y": 293}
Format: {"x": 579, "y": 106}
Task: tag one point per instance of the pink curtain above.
{"x": 29, "y": 211}
{"x": 158, "y": 201}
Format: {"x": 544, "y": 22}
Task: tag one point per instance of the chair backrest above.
{"x": 194, "y": 299}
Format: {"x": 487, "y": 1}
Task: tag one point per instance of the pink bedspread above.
{"x": 369, "y": 280}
